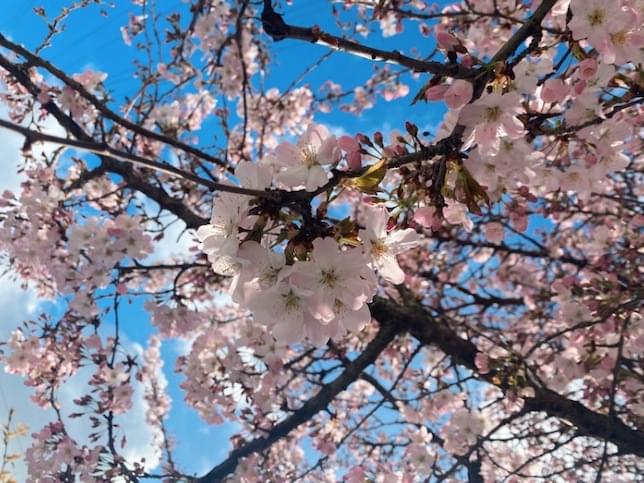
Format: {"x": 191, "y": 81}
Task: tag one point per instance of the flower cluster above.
{"x": 321, "y": 288}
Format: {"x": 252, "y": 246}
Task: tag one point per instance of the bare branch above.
{"x": 275, "y": 26}
{"x": 103, "y": 149}
{"x": 35, "y": 60}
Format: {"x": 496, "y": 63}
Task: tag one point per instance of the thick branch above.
{"x": 314, "y": 405}
{"x": 157, "y": 194}
{"x": 429, "y": 330}
{"x": 529, "y": 28}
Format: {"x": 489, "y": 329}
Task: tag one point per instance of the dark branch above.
{"x": 317, "y": 403}
{"x": 275, "y": 26}
{"x": 35, "y": 60}
{"x": 431, "y": 331}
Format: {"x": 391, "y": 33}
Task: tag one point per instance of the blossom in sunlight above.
{"x": 219, "y": 238}
{"x": 302, "y": 164}
{"x": 335, "y": 278}
{"x": 382, "y": 247}
{"x": 490, "y": 118}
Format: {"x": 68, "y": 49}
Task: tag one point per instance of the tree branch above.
{"x": 100, "y": 106}
{"x": 126, "y": 171}
{"x": 104, "y": 150}
{"x": 314, "y": 405}
{"x": 278, "y": 29}
{"x": 428, "y": 330}
{"x": 527, "y": 29}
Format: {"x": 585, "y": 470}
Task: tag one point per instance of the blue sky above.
{"x": 92, "y": 40}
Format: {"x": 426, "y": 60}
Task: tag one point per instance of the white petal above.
{"x": 316, "y": 177}
{"x": 390, "y": 270}
{"x": 402, "y": 240}
{"x": 293, "y": 177}
{"x": 288, "y": 154}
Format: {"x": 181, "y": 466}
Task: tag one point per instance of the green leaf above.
{"x": 371, "y": 178}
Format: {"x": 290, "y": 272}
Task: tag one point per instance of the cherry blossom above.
{"x": 382, "y": 247}
{"x": 490, "y": 118}
{"x": 303, "y": 164}
{"x": 219, "y": 238}
{"x": 458, "y": 94}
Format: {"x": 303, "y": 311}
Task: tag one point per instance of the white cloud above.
{"x": 176, "y": 243}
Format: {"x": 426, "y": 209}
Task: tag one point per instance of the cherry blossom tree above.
{"x": 451, "y": 304}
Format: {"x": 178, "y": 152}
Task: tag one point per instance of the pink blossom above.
{"x": 382, "y": 247}
{"x": 456, "y": 214}
{"x": 587, "y": 68}
{"x": 425, "y": 216}
{"x": 436, "y": 93}
{"x": 303, "y": 164}
{"x": 489, "y": 118}
{"x": 612, "y": 29}
{"x": 482, "y": 362}
{"x": 351, "y": 146}
{"x": 458, "y": 94}
{"x": 554, "y": 90}
{"x": 355, "y": 475}
{"x": 444, "y": 38}
{"x": 494, "y": 232}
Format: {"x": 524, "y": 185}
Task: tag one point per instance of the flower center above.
{"x": 309, "y": 156}
{"x": 338, "y": 306}
{"x": 378, "y": 248}
{"x": 493, "y": 113}
{"x": 291, "y": 301}
{"x": 329, "y": 278}
{"x": 269, "y": 277}
{"x": 596, "y": 17}
{"x": 619, "y": 38}
{"x": 507, "y": 145}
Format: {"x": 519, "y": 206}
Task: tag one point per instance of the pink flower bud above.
{"x": 354, "y": 158}
{"x": 348, "y": 144}
{"x": 444, "y": 39}
{"x": 579, "y": 87}
{"x": 587, "y": 69}
{"x": 377, "y": 137}
{"x": 482, "y": 362}
{"x": 468, "y": 61}
{"x": 554, "y": 90}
